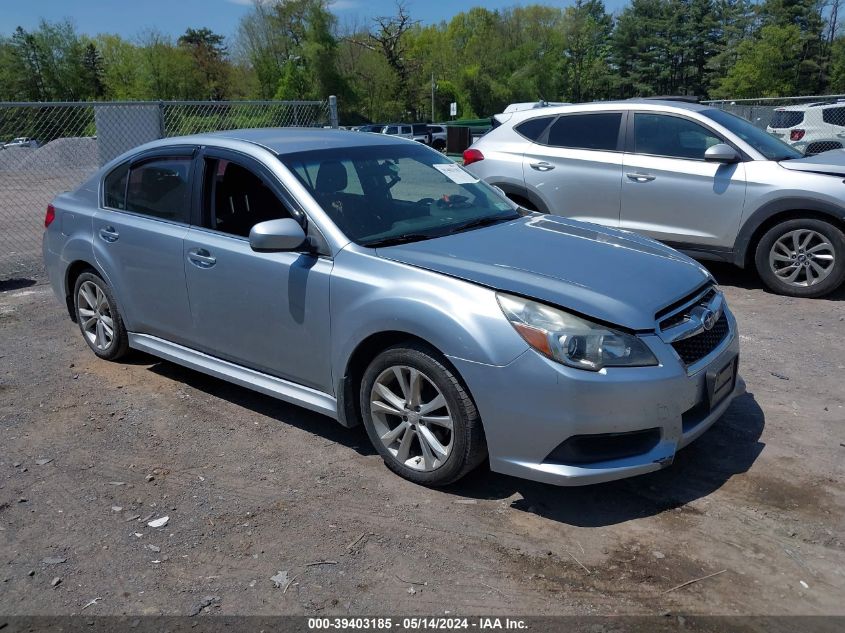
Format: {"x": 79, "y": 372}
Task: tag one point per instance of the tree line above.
{"x": 395, "y": 68}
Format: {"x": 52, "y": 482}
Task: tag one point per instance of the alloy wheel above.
{"x": 802, "y": 257}
{"x": 95, "y": 315}
{"x": 411, "y": 418}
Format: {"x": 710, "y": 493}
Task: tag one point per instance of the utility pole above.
{"x": 432, "y": 97}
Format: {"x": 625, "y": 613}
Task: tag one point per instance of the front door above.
{"x": 671, "y": 193}
{"x": 265, "y": 311}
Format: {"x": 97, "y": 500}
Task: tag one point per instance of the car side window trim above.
{"x": 543, "y": 139}
{"x": 188, "y": 152}
{"x": 630, "y": 138}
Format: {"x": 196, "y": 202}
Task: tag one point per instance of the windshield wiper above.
{"x": 479, "y": 222}
{"x": 398, "y": 239}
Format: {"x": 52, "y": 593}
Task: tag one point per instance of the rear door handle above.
{"x": 109, "y": 234}
{"x": 201, "y": 258}
{"x": 640, "y": 177}
{"x": 542, "y": 166}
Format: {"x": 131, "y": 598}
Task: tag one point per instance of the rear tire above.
{"x": 802, "y": 258}
{"x": 419, "y": 416}
{"x": 98, "y": 318}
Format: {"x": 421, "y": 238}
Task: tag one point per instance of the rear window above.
{"x": 160, "y": 188}
{"x": 532, "y": 129}
{"x": 599, "y": 131}
{"x": 786, "y": 118}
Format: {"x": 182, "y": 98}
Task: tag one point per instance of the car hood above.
{"x": 610, "y": 275}
{"x": 831, "y": 162}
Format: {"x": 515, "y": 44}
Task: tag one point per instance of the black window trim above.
{"x": 260, "y": 170}
{"x": 543, "y": 139}
{"x": 188, "y": 152}
{"x": 630, "y": 139}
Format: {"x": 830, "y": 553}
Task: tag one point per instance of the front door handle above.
{"x": 201, "y": 258}
{"x": 640, "y": 177}
{"x": 542, "y": 166}
{"x": 109, "y": 234}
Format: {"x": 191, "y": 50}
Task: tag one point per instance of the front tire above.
{"x": 98, "y": 318}
{"x": 419, "y": 416}
{"x": 802, "y": 258}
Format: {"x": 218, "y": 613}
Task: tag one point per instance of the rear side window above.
{"x": 160, "y": 188}
{"x": 599, "y": 131}
{"x": 114, "y": 188}
{"x": 532, "y": 129}
{"x": 834, "y": 116}
{"x": 786, "y": 118}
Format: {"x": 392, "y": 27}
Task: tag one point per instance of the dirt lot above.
{"x": 253, "y": 487}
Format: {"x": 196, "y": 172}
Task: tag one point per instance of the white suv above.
{"x": 811, "y": 128}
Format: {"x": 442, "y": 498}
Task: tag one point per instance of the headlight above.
{"x": 572, "y": 340}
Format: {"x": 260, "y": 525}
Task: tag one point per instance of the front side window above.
{"x": 235, "y": 199}
{"x": 596, "y": 131}
{"x": 161, "y": 188}
{"x": 383, "y": 195}
{"x": 661, "y": 135}
{"x": 114, "y": 187}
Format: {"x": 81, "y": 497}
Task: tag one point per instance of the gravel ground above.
{"x": 90, "y": 452}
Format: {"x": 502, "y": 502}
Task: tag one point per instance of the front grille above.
{"x": 694, "y": 348}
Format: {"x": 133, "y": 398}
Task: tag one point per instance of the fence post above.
{"x": 333, "y": 111}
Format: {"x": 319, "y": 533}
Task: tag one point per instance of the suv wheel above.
{"x": 419, "y": 417}
{"x": 802, "y": 258}
{"x": 98, "y": 318}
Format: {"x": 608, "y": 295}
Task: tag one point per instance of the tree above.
{"x": 766, "y": 66}
{"x": 208, "y": 52}
{"x": 586, "y": 29}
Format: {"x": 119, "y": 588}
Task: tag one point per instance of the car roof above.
{"x": 288, "y": 140}
{"x": 660, "y": 105}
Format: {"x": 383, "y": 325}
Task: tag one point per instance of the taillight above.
{"x": 472, "y": 156}
{"x": 51, "y": 215}
{"x": 796, "y": 135}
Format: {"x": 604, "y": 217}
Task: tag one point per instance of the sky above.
{"x": 131, "y": 17}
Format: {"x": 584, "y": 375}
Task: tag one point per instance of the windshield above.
{"x": 383, "y": 195}
{"x": 769, "y": 146}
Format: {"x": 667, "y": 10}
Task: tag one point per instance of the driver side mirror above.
{"x": 285, "y": 234}
{"x": 721, "y": 153}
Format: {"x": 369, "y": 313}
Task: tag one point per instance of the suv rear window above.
{"x": 834, "y": 116}
{"x": 786, "y": 118}
{"x": 532, "y": 129}
{"x": 599, "y": 131}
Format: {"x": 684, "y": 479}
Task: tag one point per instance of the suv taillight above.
{"x": 796, "y": 135}
{"x": 472, "y": 156}
{"x": 51, "y": 215}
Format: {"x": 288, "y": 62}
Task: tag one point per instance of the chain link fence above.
{"x": 811, "y": 125}
{"x": 48, "y": 148}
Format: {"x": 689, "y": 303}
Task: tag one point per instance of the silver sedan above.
{"x": 372, "y": 280}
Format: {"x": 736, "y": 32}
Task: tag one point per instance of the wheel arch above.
{"x": 72, "y": 273}
{"x": 773, "y": 214}
{"x": 521, "y": 194}
{"x": 348, "y": 405}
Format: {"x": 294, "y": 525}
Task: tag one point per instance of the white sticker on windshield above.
{"x": 457, "y": 175}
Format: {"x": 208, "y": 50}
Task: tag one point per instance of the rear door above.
{"x": 575, "y": 166}
{"x": 138, "y": 233}
{"x": 670, "y": 192}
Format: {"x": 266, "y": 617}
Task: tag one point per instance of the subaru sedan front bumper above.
{"x": 542, "y": 418}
